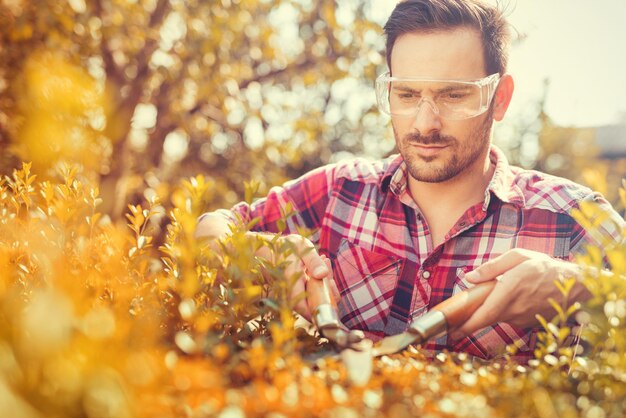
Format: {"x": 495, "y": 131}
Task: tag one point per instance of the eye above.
{"x": 407, "y": 95}
{"x": 455, "y": 95}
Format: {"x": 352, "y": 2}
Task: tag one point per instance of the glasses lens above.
{"x": 453, "y": 100}
{"x": 459, "y": 100}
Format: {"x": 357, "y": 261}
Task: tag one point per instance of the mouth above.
{"x": 428, "y": 150}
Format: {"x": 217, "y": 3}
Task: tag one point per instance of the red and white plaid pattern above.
{"x": 384, "y": 263}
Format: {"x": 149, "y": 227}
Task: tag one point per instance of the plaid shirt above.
{"x": 384, "y": 263}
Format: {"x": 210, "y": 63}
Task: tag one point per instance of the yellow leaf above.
{"x": 253, "y": 292}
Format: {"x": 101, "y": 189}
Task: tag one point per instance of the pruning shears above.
{"x": 438, "y": 321}
{"x": 326, "y": 316}
{"x": 357, "y": 351}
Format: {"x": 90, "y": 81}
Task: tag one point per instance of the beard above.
{"x": 454, "y": 159}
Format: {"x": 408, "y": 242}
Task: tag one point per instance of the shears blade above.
{"x": 395, "y": 343}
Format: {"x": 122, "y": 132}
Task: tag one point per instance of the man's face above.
{"x": 436, "y": 149}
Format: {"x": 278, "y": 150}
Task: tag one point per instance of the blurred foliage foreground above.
{"x": 97, "y": 322}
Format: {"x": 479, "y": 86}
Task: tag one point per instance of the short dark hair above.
{"x": 434, "y": 15}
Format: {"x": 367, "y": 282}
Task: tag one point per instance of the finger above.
{"x": 315, "y": 264}
{"x": 487, "y": 314}
{"x": 331, "y": 280}
{"x": 296, "y": 277}
{"x": 302, "y": 306}
{"x": 497, "y": 266}
{"x": 303, "y": 310}
{"x": 305, "y": 250}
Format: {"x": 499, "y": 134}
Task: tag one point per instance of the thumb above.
{"x": 331, "y": 278}
{"x": 315, "y": 265}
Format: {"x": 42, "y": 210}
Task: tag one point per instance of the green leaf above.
{"x": 558, "y": 309}
{"x": 542, "y": 321}
{"x": 251, "y": 189}
{"x": 281, "y": 225}
{"x": 563, "y": 334}
{"x": 270, "y": 303}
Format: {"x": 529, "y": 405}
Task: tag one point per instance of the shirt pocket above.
{"x": 366, "y": 281}
{"x": 490, "y": 342}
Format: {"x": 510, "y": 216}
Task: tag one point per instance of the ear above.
{"x": 502, "y": 97}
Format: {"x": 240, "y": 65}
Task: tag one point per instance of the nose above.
{"x": 427, "y": 119}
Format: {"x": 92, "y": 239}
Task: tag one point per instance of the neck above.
{"x": 460, "y": 192}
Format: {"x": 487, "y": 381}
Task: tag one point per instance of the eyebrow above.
{"x": 437, "y": 91}
{"x": 406, "y": 89}
{"x": 452, "y": 88}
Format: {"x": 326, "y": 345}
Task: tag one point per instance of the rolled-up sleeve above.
{"x": 606, "y": 228}
{"x": 300, "y": 203}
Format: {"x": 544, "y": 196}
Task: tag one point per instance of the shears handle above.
{"x": 322, "y": 304}
{"x": 461, "y": 306}
{"x": 451, "y": 313}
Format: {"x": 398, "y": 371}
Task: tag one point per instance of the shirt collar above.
{"x": 502, "y": 183}
{"x": 394, "y": 177}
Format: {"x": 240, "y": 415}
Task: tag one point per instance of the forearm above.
{"x": 527, "y": 282}
{"x": 213, "y": 227}
{"x": 298, "y": 253}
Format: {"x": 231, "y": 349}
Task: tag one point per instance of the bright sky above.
{"x": 579, "y": 46}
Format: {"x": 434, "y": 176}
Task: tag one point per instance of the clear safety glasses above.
{"x": 450, "y": 99}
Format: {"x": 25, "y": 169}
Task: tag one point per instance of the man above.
{"x": 405, "y": 233}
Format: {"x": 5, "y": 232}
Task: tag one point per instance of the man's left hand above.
{"x": 525, "y": 283}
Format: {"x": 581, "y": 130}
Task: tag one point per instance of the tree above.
{"x": 163, "y": 89}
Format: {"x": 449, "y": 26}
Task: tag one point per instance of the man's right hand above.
{"x": 307, "y": 264}
{"x": 304, "y": 260}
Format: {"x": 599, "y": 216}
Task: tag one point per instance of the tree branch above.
{"x": 142, "y": 59}
{"x": 162, "y": 127}
{"x": 301, "y": 66}
{"x": 125, "y": 108}
{"x": 110, "y": 68}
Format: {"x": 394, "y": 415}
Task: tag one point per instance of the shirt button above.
{"x": 426, "y": 274}
{"x": 462, "y": 224}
